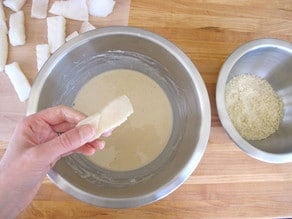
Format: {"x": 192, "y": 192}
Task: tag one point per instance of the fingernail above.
{"x": 101, "y": 145}
{"x": 86, "y": 132}
{"x": 91, "y": 152}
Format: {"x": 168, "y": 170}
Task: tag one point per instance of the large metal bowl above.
{"x": 270, "y": 59}
{"x": 104, "y": 49}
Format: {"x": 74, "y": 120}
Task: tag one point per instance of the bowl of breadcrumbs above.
{"x": 254, "y": 99}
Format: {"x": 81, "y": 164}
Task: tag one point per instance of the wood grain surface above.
{"x": 227, "y": 183}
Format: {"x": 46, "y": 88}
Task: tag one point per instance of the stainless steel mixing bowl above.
{"x": 270, "y": 59}
{"x": 104, "y": 49}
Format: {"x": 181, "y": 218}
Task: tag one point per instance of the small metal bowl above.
{"x": 97, "y": 51}
{"x": 270, "y": 59}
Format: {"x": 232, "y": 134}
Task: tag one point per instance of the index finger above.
{"x": 59, "y": 114}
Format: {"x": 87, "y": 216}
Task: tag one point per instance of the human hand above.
{"x": 34, "y": 148}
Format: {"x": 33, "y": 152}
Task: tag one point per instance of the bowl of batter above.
{"x": 161, "y": 143}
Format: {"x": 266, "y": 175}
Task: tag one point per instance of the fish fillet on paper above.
{"x": 56, "y": 27}
{"x": 18, "y": 80}
{"x": 3, "y": 25}
{"x": 111, "y": 116}
{"x": 16, "y": 31}
{"x": 3, "y": 49}
{"x": 14, "y": 5}
{"x": 39, "y": 8}
{"x": 86, "y": 26}
{"x": 72, "y": 9}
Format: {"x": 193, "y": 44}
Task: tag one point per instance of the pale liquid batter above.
{"x": 144, "y": 135}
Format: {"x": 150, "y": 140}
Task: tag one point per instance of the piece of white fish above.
{"x": 16, "y": 31}
{"x": 3, "y": 25}
{"x": 56, "y": 32}
{"x": 18, "y": 80}
{"x": 71, "y": 36}
{"x": 72, "y": 9}
{"x": 3, "y": 49}
{"x": 111, "y": 116}
{"x": 14, "y": 5}
{"x": 100, "y": 8}
{"x": 39, "y": 8}
{"x": 86, "y": 26}
{"x": 42, "y": 54}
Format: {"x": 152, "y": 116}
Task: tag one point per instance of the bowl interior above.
{"x": 271, "y": 60}
{"x": 95, "y": 52}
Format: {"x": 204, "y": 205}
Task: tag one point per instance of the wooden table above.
{"x": 227, "y": 183}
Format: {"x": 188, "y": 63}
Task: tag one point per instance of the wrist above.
{"x": 8, "y": 207}
{"x": 13, "y": 199}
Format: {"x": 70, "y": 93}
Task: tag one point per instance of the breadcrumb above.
{"x": 255, "y": 109}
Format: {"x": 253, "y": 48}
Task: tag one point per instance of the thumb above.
{"x": 68, "y": 141}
